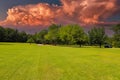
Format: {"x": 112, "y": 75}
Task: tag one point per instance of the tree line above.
{"x": 12, "y": 35}
{"x": 71, "y": 34}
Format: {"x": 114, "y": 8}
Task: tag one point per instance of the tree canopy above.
{"x": 97, "y": 36}
{"x": 71, "y": 34}
{"x": 116, "y": 38}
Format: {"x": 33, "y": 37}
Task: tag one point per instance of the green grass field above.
{"x": 33, "y": 62}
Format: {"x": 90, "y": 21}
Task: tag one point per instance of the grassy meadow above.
{"x": 21, "y": 61}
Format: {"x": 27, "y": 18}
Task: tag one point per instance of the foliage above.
{"x": 11, "y": 35}
{"x": 72, "y": 34}
{"x": 52, "y": 36}
{"x": 30, "y": 40}
{"x": 97, "y": 36}
{"x": 2, "y": 34}
{"x": 40, "y": 37}
{"x": 116, "y": 30}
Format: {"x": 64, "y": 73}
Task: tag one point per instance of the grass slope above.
{"x": 33, "y": 62}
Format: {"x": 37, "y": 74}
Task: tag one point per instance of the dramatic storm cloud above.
{"x": 83, "y": 12}
{"x": 89, "y": 11}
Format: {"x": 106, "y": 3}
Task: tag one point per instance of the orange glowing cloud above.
{"x": 71, "y": 11}
{"x": 89, "y": 11}
{"x": 32, "y": 15}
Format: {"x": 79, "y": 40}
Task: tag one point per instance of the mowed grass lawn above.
{"x": 19, "y": 61}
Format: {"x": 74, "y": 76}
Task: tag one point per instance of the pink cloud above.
{"x": 71, "y": 11}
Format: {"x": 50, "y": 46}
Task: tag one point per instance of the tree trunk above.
{"x": 80, "y": 45}
{"x": 100, "y": 45}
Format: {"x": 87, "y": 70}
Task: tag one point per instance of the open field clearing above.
{"x": 20, "y": 61}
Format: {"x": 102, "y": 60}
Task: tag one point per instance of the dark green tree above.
{"x": 2, "y": 34}
{"x": 53, "y": 34}
{"x": 116, "y": 37}
{"x": 72, "y": 34}
{"x": 11, "y": 35}
{"x": 30, "y": 40}
{"x": 22, "y": 37}
{"x": 97, "y": 36}
{"x": 40, "y": 37}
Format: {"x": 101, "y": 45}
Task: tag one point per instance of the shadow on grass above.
{"x": 6, "y": 43}
{"x": 78, "y": 46}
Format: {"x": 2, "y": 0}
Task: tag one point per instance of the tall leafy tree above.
{"x": 116, "y": 30}
{"x": 30, "y": 40}
{"x": 11, "y": 35}
{"x": 2, "y": 34}
{"x": 97, "y": 36}
{"x": 64, "y": 34}
{"x": 22, "y": 37}
{"x": 72, "y": 34}
{"x": 40, "y": 37}
{"x": 52, "y": 36}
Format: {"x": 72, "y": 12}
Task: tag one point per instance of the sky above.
{"x": 34, "y": 15}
